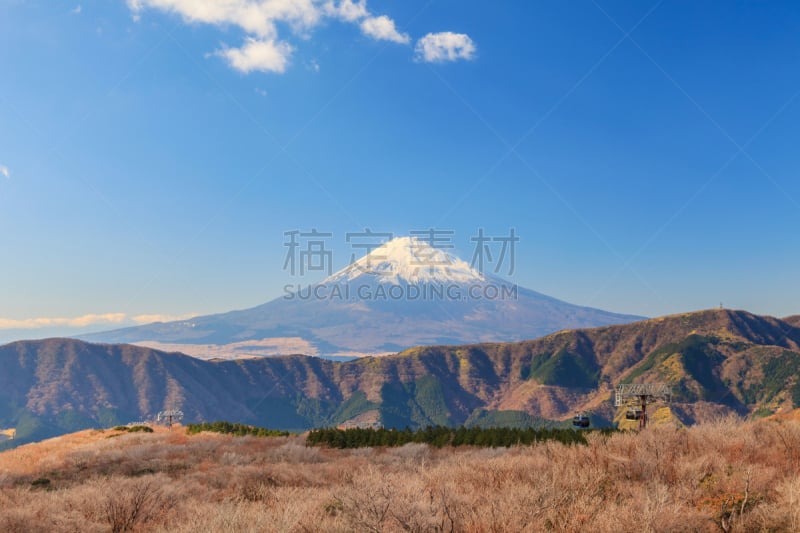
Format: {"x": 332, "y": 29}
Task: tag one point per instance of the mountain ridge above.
{"x": 793, "y": 320}
{"x": 718, "y": 361}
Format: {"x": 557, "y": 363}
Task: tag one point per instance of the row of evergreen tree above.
{"x": 232, "y": 428}
{"x": 440, "y": 436}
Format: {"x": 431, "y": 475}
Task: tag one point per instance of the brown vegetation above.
{"x": 723, "y": 476}
{"x": 717, "y": 361}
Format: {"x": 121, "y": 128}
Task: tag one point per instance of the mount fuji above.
{"x": 402, "y": 294}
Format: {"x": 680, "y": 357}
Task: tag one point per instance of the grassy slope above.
{"x": 726, "y": 475}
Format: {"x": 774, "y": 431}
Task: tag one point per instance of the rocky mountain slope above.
{"x": 717, "y": 362}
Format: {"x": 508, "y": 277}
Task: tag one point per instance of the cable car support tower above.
{"x": 637, "y": 396}
{"x": 170, "y": 416}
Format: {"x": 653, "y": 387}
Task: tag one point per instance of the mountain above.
{"x": 404, "y": 293}
{"x": 716, "y": 361}
{"x": 793, "y": 320}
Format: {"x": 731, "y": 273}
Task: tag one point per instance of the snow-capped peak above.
{"x": 409, "y": 260}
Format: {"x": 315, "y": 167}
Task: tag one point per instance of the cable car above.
{"x": 581, "y": 420}
{"x": 633, "y": 414}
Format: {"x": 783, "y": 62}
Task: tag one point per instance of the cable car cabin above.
{"x": 633, "y": 414}
{"x": 581, "y": 421}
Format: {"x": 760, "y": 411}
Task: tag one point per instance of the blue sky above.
{"x": 154, "y": 152}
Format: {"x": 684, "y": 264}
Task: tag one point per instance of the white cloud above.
{"x": 256, "y": 17}
{"x": 347, "y": 10}
{"x": 264, "y": 22}
{"x": 147, "y": 319}
{"x": 445, "y": 46}
{"x": 76, "y": 10}
{"x": 256, "y": 55}
{"x": 5, "y": 171}
{"x": 382, "y": 28}
{"x": 88, "y": 320}
{"x": 75, "y": 322}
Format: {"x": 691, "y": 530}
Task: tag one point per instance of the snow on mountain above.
{"x": 402, "y": 294}
{"x": 409, "y": 260}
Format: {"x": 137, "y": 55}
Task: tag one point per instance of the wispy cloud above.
{"x": 347, "y": 10}
{"x": 445, "y": 46}
{"x": 87, "y": 320}
{"x": 147, "y": 319}
{"x": 75, "y": 322}
{"x": 266, "y": 47}
{"x": 4, "y": 171}
{"x": 76, "y": 10}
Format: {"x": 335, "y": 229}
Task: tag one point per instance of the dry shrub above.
{"x": 132, "y": 503}
{"x": 225, "y": 516}
{"x": 294, "y": 452}
{"x": 728, "y": 475}
{"x": 362, "y": 452}
{"x": 365, "y": 500}
{"x": 413, "y": 452}
{"x": 784, "y": 512}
